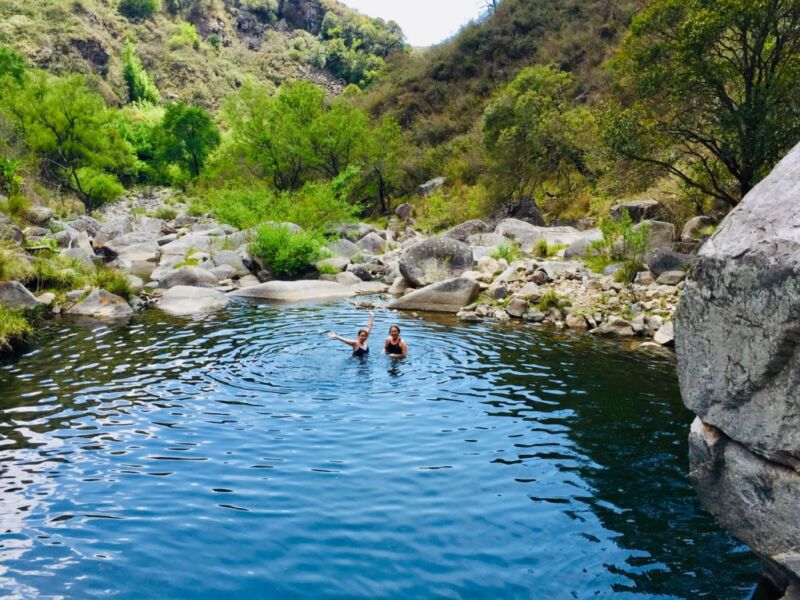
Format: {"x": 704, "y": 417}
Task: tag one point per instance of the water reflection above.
{"x": 491, "y": 462}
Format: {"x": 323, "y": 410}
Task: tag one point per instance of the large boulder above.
{"x": 184, "y": 300}
{"x": 696, "y": 228}
{"x": 435, "y": 259}
{"x": 463, "y": 231}
{"x": 738, "y": 343}
{"x": 15, "y": 295}
{"x": 112, "y": 229}
{"x": 372, "y": 243}
{"x": 343, "y": 247}
{"x": 581, "y": 246}
{"x": 661, "y": 261}
{"x": 101, "y": 304}
{"x": 445, "y": 296}
{"x": 87, "y": 224}
{"x": 9, "y": 232}
{"x": 638, "y": 210}
{"x": 232, "y": 259}
{"x": 189, "y": 277}
{"x": 660, "y": 234}
{"x": 427, "y": 188}
{"x": 527, "y": 235}
{"x": 139, "y": 259}
{"x": 295, "y": 291}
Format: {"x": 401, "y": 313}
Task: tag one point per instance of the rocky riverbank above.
{"x": 189, "y": 264}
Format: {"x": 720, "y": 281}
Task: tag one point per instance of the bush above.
{"x": 325, "y": 269}
{"x": 285, "y": 253}
{"x": 52, "y": 272}
{"x": 548, "y": 300}
{"x": 510, "y": 252}
{"x": 185, "y": 35}
{"x": 166, "y": 213}
{"x": 138, "y": 9}
{"x": 140, "y": 86}
{"x": 623, "y": 242}
{"x": 13, "y": 327}
{"x": 113, "y": 281}
{"x": 98, "y": 187}
{"x": 16, "y": 206}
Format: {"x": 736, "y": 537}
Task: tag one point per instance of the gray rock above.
{"x": 517, "y": 307}
{"x": 574, "y": 321}
{"x": 665, "y": 336}
{"x": 534, "y": 315}
{"x": 187, "y": 276}
{"x": 78, "y": 254}
{"x": 15, "y": 295}
{"x": 405, "y": 212}
{"x": 38, "y": 214}
{"x": 527, "y": 235}
{"x": 113, "y": 229}
{"x": 232, "y": 259}
{"x": 337, "y": 263}
{"x": 530, "y": 291}
{"x": 69, "y": 238}
{"x": 343, "y": 247}
{"x": 427, "y": 188}
{"x": 139, "y": 259}
{"x": 184, "y": 300}
{"x": 694, "y": 228}
{"x": 372, "y": 243}
{"x": 294, "y": 291}
{"x": 399, "y": 286}
{"x": 444, "y": 296}
{"x": 671, "y": 277}
{"x": 463, "y": 231}
{"x": 223, "y": 272}
{"x": 661, "y": 235}
{"x": 488, "y": 240}
{"x": 347, "y": 278}
{"x": 101, "y": 304}
{"x": 615, "y": 327}
{"x": 638, "y": 210}
{"x": 435, "y": 259}
{"x": 661, "y": 261}
{"x": 10, "y": 232}
{"x": 581, "y": 246}
{"x": 248, "y": 281}
{"x": 363, "y": 288}
{"x": 87, "y": 224}
{"x": 353, "y": 231}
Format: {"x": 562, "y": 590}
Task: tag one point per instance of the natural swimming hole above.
{"x": 246, "y": 455}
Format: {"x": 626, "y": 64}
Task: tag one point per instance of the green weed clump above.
{"x": 544, "y": 250}
{"x": 113, "y": 281}
{"x": 165, "y": 213}
{"x": 548, "y": 300}
{"x": 325, "y": 269}
{"x": 14, "y": 265}
{"x": 13, "y": 327}
{"x": 622, "y": 242}
{"x": 510, "y": 252}
{"x": 285, "y": 253}
{"x": 53, "y": 272}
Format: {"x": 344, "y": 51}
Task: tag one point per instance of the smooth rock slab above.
{"x": 101, "y": 304}
{"x": 15, "y": 295}
{"x": 188, "y": 276}
{"x": 436, "y": 259}
{"x": 183, "y": 300}
{"x": 445, "y": 296}
{"x": 296, "y": 291}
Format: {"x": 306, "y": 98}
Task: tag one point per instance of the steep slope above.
{"x": 200, "y": 50}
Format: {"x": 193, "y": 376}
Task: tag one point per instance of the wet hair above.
{"x": 394, "y": 327}
{"x": 360, "y": 331}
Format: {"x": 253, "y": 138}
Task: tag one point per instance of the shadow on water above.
{"x": 493, "y": 462}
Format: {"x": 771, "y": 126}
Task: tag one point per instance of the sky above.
{"x": 425, "y": 22}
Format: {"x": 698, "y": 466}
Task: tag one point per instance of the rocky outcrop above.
{"x": 15, "y": 295}
{"x": 737, "y": 335}
{"x": 295, "y": 291}
{"x": 435, "y": 259}
{"x": 101, "y": 304}
{"x": 444, "y": 296}
{"x": 183, "y": 300}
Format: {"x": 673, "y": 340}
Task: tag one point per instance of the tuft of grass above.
{"x": 13, "y": 327}
{"x": 52, "y": 272}
{"x": 14, "y": 265}
{"x": 627, "y": 271}
{"x": 113, "y": 281}
{"x": 548, "y": 300}
{"x": 510, "y": 252}
{"x": 165, "y": 213}
{"x": 544, "y": 250}
{"x": 189, "y": 259}
{"x": 325, "y": 269}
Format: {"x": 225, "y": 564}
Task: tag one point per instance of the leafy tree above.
{"x": 532, "y": 133}
{"x": 67, "y": 126}
{"x": 187, "y": 137}
{"x": 138, "y": 9}
{"x": 12, "y": 65}
{"x": 384, "y": 150}
{"x": 709, "y": 91}
{"x": 336, "y": 136}
{"x": 140, "y": 86}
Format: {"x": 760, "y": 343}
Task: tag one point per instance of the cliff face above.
{"x": 738, "y": 337}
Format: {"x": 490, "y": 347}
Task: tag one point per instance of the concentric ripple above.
{"x": 248, "y": 456}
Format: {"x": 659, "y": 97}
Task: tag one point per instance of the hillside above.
{"x": 199, "y": 51}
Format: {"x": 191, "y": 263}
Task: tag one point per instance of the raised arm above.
{"x": 371, "y": 322}
{"x": 351, "y": 343}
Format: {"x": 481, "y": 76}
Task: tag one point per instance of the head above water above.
{"x": 363, "y": 334}
{"x": 394, "y": 331}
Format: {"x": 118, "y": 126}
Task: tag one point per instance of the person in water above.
{"x": 395, "y": 346}
{"x": 358, "y": 345}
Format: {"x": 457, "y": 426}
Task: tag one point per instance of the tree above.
{"x": 709, "y": 91}
{"x": 12, "y": 65}
{"x": 67, "y": 126}
{"x": 384, "y": 150}
{"x": 187, "y": 137}
{"x": 140, "y": 86}
{"x": 138, "y": 9}
{"x": 533, "y": 134}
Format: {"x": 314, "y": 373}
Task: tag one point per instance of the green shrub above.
{"x": 52, "y": 272}
{"x": 15, "y": 206}
{"x": 14, "y": 265}
{"x": 286, "y": 253}
{"x": 325, "y": 269}
{"x": 166, "y": 213}
{"x": 622, "y": 242}
{"x": 10, "y": 180}
{"x": 627, "y": 271}
{"x": 214, "y": 41}
{"x": 98, "y": 187}
{"x": 548, "y": 300}
{"x": 13, "y": 327}
{"x": 510, "y": 252}
{"x": 113, "y": 281}
{"x": 138, "y": 9}
{"x": 140, "y": 86}
{"x": 184, "y": 36}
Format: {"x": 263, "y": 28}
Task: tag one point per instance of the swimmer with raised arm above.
{"x": 358, "y": 345}
{"x": 395, "y": 346}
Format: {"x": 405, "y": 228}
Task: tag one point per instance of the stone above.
{"x": 489, "y": 265}
{"x": 583, "y": 244}
{"x": 80, "y": 255}
{"x": 661, "y": 261}
{"x": 87, "y": 224}
{"x": 615, "y": 327}
{"x": 232, "y": 259}
{"x": 517, "y": 307}
{"x": 644, "y": 278}
{"x": 498, "y": 291}
{"x": 139, "y": 259}
{"x": 364, "y": 288}
{"x": 372, "y": 243}
{"x": 435, "y": 259}
{"x": 638, "y": 210}
{"x": 468, "y": 316}
{"x": 112, "y": 229}
{"x": 335, "y": 263}
{"x": 524, "y": 209}
{"x": 527, "y": 235}
{"x": 671, "y": 277}
{"x": 399, "y": 286}
{"x": 534, "y": 315}
{"x": 427, "y": 188}
{"x": 665, "y": 336}
{"x": 530, "y": 291}
{"x": 660, "y": 235}
{"x": 38, "y": 214}
{"x": 100, "y": 304}
{"x": 187, "y": 276}
{"x": 248, "y": 281}
{"x": 489, "y": 240}
{"x": 69, "y": 238}
{"x": 346, "y": 278}
{"x": 696, "y": 228}
{"x": 576, "y": 321}
{"x": 166, "y": 239}
{"x": 184, "y": 300}
{"x": 463, "y": 231}
{"x": 46, "y": 299}
{"x": 295, "y": 291}
{"x": 353, "y": 231}
{"x": 15, "y": 295}
{"x": 223, "y": 272}
{"x": 343, "y": 247}
{"x": 444, "y": 296}
{"x": 501, "y": 316}
{"x": 405, "y": 212}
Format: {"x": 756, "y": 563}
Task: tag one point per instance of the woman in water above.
{"x": 358, "y": 345}
{"x": 395, "y": 346}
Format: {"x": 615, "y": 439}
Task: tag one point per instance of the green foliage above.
{"x": 445, "y": 208}
{"x": 709, "y": 91}
{"x": 189, "y": 259}
{"x": 214, "y": 41}
{"x": 286, "y": 254}
{"x": 139, "y": 125}
{"x": 325, "y": 269}
{"x": 12, "y": 65}
{"x": 98, "y": 187}
{"x": 166, "y": 213}
{"x": 622, "y": 242}
{"x": 544, "y": 250}
{"x": 10, "y": 180}
{"x": 53, "y": 272}
{"x": 548, "y": 300}
{"x": 14, "y": 265}
{"x": 14, "y": 327}
{"x": 113, "y": 281}
{"x": 184, "y": 36}
{"x": 187, "y": 137}
{"x": 140, "y": 86}
{"x": 510, "y": 252}
{"x": 138, "y": 9}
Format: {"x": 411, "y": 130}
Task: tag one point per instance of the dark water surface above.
{"x": 246, "y": 456}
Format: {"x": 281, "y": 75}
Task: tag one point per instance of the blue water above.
{"x": 247, "y": 456}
